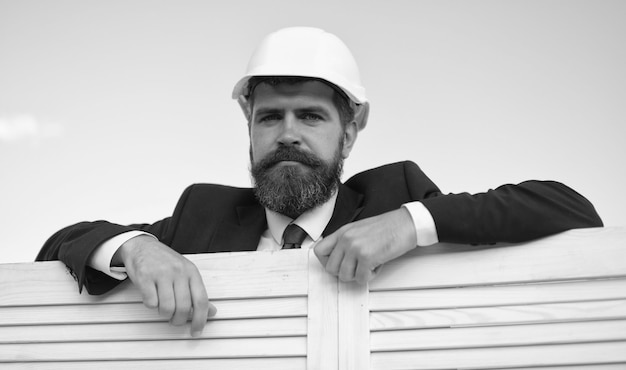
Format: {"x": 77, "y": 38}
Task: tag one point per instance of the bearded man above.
{"x": 305, "y": 107}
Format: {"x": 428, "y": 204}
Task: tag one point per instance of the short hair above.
{"x": 340, "y": 99}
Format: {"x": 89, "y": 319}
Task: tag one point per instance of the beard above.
{"x": 292, "y": 190}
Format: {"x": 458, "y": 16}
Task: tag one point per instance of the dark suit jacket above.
{"x": 216, "y": 218}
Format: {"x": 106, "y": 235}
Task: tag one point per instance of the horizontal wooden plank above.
{"x": 226, "y": 275}
{"x": 498, "y": 295}
{"x": 522, "y": 314}
{"x": 282, "y": 363}
{"x": 526, "y": 356}
{"x": 284, "y": 326}
{"x": 144, "y": 350}
{"x": 569, "y": 255}
{"x": 497, "y": 336}
{"x": 254, "y": 274}
{"x": 137, "y": 312}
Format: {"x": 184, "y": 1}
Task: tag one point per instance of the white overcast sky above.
{"x": 109, "y": 109}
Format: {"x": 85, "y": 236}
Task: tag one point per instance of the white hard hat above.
{"x": 306, "y": 52}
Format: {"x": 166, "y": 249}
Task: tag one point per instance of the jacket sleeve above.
{"x": 509, "y": 213}
{"x": 74, "y": 244}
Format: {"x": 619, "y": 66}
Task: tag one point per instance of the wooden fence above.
{"x": 554, "y": 303}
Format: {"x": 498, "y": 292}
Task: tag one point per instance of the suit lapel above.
{"x": 349, "y": 205}
{"x": 242, "y": 234}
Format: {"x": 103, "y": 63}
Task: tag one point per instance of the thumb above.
{"x": 212, "y": 310}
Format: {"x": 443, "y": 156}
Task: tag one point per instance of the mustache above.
{"x": 289, "y": 153}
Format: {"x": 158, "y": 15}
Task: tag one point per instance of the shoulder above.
{"x": 400, "y": 181}
{"x": 388, "y": 175}
{"x": 217, "y": 189}
{"x": 217, "y": 194}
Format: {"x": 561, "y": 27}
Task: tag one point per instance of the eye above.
{"x": 311, "y": 117}
{"x": 269, "y": 117}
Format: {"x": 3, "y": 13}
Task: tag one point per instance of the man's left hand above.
{"x": 357, "y": 250}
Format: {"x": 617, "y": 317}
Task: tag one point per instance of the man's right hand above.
{"x": 167, "y": 281}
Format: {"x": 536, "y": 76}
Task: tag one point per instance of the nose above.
{"x": 290, "y": 134}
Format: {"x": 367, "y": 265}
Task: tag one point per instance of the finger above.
{"x": 182, "y": 302}
{"x": 324, "y": 248}
{"x": 149, "y": 295}
{"x": 146, "y": 286}
{"x": 167, "y": 304}
{"x": 334, "y": 261}
{"x": 364, "y": 274}
{"x": 323, "y": 260}
{"x": 201, "y": 305}
{"x": 348, "y": 268}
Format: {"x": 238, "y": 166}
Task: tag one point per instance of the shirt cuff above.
{"x": 424, "y": 224}
{"x": 101, "y": 258}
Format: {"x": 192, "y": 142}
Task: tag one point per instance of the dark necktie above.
{"x": 293, "y": 236}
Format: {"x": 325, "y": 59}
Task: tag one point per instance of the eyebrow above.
{"x": 314, "y": 108}
{"x": 258, "y": 111}
{"x": 308, "y": 108}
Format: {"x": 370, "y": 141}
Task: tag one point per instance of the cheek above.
{"x": 258, "y": 145}
{"x": 328, "y": 145}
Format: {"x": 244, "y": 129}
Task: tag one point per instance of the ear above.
{"x": 349, "y": 138}
{"x": 245, "y": 107}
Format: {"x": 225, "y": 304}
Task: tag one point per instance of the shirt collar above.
{"x": 313, "y": 222}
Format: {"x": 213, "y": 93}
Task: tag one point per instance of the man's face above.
{"x": 297, "y": 145}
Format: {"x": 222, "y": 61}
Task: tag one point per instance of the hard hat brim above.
{"x": 355, "y": 93}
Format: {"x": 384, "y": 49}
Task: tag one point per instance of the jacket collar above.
{"x": 245, "y": 232}
{"x": 347, "y": 208}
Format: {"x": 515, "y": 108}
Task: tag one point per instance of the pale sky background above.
{"x": 109, "y": 109}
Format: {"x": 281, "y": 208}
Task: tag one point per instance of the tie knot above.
{"x": 293, "y": 236}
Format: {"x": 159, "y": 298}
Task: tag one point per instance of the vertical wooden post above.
{"x": 322, "y": 317}
{"x": 354, "y": 332}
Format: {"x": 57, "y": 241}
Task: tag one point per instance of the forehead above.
{"x": 302, "y": 93}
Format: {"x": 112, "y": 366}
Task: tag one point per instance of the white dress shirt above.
{"x": 313, "y": 222}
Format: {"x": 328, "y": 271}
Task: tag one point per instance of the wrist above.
{"x": 125, "y": 250}
{"x": 408, "y": 227}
